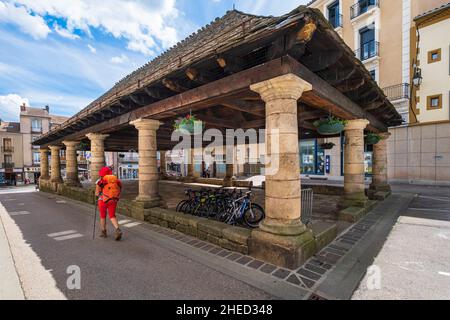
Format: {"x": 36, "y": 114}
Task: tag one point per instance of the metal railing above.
{"x": 362, "y": 7}
{"x": 307, "y": 206}
{"x": 36, "y": 129}
{"x": 397, "y": 92}
{"x": 7, "y": 149}
{"x": 8, "y": 165}
{"x": 368, "y": 50}
{"x": 337, "y": 21}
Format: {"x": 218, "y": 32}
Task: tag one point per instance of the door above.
{"x": 367, "y": 42}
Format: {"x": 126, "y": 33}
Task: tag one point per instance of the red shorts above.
{"x": 109, "y": 207}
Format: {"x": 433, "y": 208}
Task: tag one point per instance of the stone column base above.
{"x": 379, "y": 192}
{"x": 353, "y": 200}
{"x": 284, "y": 251}
{"x": 188, "y": 179}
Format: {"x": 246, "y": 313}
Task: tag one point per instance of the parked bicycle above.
{"x": 229, "y": 206}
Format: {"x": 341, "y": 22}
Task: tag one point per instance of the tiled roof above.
{"x": 12, "y": 127}
{"x": 35, "y": 112}
{"x": 58, "y": 119}
{"x": 433, "y": 11}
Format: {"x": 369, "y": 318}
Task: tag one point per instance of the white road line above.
{"x": 131, "y": 225}
{"x": 124, "y": 221}
{"x": 431, "y": 210}
{"x": 444, "y": 274}
{"x": 72, "y": 236}
{"x": 21, "y": 204}
{"x": 63, "y": 233}
{"x": 434, "y": 198}
{"x": 19, "y": 213}
{"x": 61, "y": 201}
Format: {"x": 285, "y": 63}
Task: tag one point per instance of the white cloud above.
{"x": 33, "y": 25}
{"x": 10, "y": 107}
{"x": 145, "y": 25}
{"x": 64, "y": 32}
{"x": 119, "y": 60}
{"x": 92, "y": 49}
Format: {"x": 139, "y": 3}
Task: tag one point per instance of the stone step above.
{"x": 324, "y": 233}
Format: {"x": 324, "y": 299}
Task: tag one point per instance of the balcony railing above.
{"x": 362, "y": 7}
{"x": 7, "y": 149}
{"x": 368, "y": 50}
{"x": 8, "y": 165}
{"x": 36, "y": 130}
{"x": 397, "y": 92}
{"x": 336, "y": 21}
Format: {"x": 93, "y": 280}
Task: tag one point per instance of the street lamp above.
{"x": 417, "y": 79}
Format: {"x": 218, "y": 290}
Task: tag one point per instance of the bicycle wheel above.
{"x": 254, "y": 215}
{"x": 186, "y": 207}
{"x": 180, "y": 205}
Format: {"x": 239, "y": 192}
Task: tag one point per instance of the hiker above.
{"x": 108, "y": 189}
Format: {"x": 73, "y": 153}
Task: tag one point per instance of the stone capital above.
{"x": 71, "y": 144}
{"x": 44, "y": 150}
{"x": 146, "y": 124}
{"x": 55, "y": 148}
{"x": 358, "y": 124}
{"x": 288, "y": 86}
{"x": 97, "y": 136}
{"x": 385, "y": 135}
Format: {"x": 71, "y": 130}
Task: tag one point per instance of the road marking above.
{"x": 61, "y": 201}
{"x": 131, "y": 225}
{"x": 10, "y": 199}
{"x": 21, "y": 204}
{"x": 71, "y": 236}
{"x": 124, "y": 221}
{"x": 19, "y": 213}
{"x": 63, "y": 233}
{"x": 430, "y": 210}
{"x": 444, "y": 274}
{"x": 434, "y": 198}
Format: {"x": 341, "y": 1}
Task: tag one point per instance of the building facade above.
{"x": 11, "y": 153}
{"x": 33, "y": 123}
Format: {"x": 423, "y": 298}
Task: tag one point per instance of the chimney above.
{"x": 47, "y": 108}
{"x": 23, "y": 107}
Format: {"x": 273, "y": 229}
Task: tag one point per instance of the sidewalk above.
{"x": 10, "y": 288}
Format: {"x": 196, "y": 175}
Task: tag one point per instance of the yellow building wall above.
{"x": 436, "y": 76}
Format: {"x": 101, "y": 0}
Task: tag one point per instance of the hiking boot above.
{"x": 118, "y": 234}
{"x": 103, "y": 234}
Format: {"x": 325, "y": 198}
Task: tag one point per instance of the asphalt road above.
{"x": 415, "y": 260}
{"x": 48, "y": 236}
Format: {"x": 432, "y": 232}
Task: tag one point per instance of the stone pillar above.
{"x": 228, "y": 180}
{"x": 71, "y": 163}
{"x": 44, "y": 164}
{"x": 190, "y": 167}
{"x": 97, "y": 153}
{"x": 380, "y": 176}
{"x": 148, "y": 166}
{"x": 163, "y": 163}
{"x": 55, "y": 165}
{"x": 282, "y": 238}
{"x": 354, "y": 176}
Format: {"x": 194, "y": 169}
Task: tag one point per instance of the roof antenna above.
{"x": 234, "y": 6}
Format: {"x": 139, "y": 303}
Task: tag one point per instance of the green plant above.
{"x": 187, "y": 123}
{"x": 329, "y": 121}
{"x": 83, "y": 146}
{"x": 373, "y": 138}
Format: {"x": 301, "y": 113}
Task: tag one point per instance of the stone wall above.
{"x": 420, "y": 154}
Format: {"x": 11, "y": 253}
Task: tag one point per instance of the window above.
{"x": 8, "y": 161}
{"x": 334, "y": 16}
{"x": 434, "y": 102}
{"x": 364, "y": 5}
{"x": 312, "y": 158}
{"x": 373, "y": 74}
{"x": 434, "y": 56}
{"x": 368, "y": 45}
{"x": 36, "y": 157}
{"x": 36, "y": 125}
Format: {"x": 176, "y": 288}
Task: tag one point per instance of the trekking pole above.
{"x": 95, "y": 216}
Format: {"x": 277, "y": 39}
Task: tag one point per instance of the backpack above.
{"x": 111, "y": 190}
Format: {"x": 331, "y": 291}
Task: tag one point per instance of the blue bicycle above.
{"x": 242, "y": 210}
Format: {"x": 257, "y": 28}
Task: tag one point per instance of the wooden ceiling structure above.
{"x": 210, "y": 73}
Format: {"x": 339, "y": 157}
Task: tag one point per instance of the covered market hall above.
{"x": 240, "y": 72}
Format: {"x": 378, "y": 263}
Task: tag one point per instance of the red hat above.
{"x": 105, "y": 171}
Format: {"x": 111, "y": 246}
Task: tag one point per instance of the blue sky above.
{"x": 66, "y": 53}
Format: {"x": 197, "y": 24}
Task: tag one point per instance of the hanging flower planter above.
{"x": 187, "y": 124}
{"x": 83, "y": 146}
{"x": 330, "y": 126}
{"x": 372, "y": 138}
{"x": 327, "y": 146}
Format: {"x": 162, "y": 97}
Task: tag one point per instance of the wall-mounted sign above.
{"x": 328, "y": 164}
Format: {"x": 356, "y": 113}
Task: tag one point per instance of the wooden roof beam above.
{"x": 173, "y": 85}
